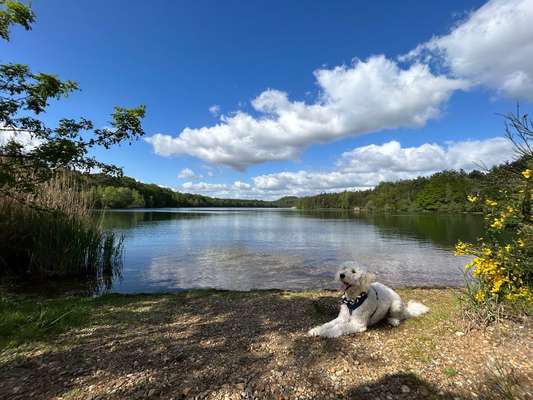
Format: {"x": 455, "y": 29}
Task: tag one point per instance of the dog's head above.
{"x": 355, "y": 280}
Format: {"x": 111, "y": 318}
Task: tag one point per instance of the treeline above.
{"x": 442, "y": 192}
{"x": 124, "y": 192}
{"x": 445, "y": 191}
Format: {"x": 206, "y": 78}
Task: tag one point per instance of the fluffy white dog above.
{"x": 365, "y": 303}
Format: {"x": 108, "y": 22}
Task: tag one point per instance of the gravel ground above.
{"x": 230, "y": 345}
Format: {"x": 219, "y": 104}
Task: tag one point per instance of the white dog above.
{"x": 365, "y": 303}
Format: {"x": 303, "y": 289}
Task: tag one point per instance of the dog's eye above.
{"x": 353, "y": 271}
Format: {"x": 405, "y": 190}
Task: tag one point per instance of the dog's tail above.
{"x": 414, "y": 309}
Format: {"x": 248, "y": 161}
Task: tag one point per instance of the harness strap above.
{"x": 353, "y": 304}
{"x": 377, "y": 303}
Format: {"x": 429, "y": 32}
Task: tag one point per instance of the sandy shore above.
{"x": 233, "y": 345}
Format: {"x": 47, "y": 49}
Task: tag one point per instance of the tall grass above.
{"x": 51, "y": 233}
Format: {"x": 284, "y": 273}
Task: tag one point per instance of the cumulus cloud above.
{"x": 365, "y": 167}
{"x": 187, "y": 173}
{"x": 241, "y": 185}
{"x": 26, "y": 139}
{"x": 427, "y": 158}
{"x": 215, "y": 110}
{"x": 204, "y": 187}
{"x": 364, "y": 97}
{"x": 493, "y": 46}
{"x": 238, "y": 189}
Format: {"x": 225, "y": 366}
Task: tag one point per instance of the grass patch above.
{"x": 26, "y": 319}
{"x": 443, "y": 305}
{"x": 450, "y": 372}
{"x": 421, "y": 348}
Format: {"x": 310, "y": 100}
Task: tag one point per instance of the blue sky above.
{"x": 346, "y": 93}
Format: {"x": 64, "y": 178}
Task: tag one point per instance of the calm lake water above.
{"x": 242, "y": 249}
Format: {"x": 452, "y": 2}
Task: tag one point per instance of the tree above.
{"x": 14, "y": 12}
{"x": 24, "y": 96}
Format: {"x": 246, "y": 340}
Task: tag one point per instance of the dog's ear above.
{"x": 367, "y": 279}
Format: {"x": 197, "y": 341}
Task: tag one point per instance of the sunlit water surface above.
{"x": 242, "y": 249}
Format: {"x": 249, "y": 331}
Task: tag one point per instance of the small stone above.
{"x": 459, "y": 333}
{"x": 405, "y": 389}
{"x": 366, "y": 389}
{"x": 152, "y": 392}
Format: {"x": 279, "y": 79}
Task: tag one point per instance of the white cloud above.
{"x": 26, "y": 139}
{"x": 215, "y": 110}
{"x": 238, "y": 189}
{"x": 203, "y": 187}
{"x": 364, "y": 97}
{"x": 187, "y": 173}
{"x": 493, "y": 46}
{"x": 426, "y": 158}
{"x": 364, "y": 167}
{"x": 241, "y": 185}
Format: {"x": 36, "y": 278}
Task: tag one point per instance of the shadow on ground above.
{"x": 213, "y": 345}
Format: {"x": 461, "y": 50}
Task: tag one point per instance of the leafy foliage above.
{"x": 24, "y": 95}
{"x": 502, "y": 267}
{"x": 46, "y": 229}
{"x": 13, "y": 12}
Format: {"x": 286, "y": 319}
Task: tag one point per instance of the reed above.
{"x": 52, "y": 233}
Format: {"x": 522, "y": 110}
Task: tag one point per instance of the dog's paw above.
{"x": 393, "y": 321}
{"x": 313, "y": 332}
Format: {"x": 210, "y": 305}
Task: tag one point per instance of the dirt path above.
{"x": 228, "y": 345}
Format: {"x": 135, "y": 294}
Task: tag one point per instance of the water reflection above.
{"x": 242, "y": 249}
{"x": 441, "y": 230}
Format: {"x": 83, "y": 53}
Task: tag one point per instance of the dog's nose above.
{"x": 342, "y": 276}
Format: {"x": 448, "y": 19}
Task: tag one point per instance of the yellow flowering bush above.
{"x": 502, "y": 263}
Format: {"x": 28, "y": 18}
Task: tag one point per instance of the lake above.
{"x": 243, "y": 249}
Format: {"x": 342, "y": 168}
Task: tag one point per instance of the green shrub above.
{"x": 502, "y": 267}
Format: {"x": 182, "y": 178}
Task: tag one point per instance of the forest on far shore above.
{"x": 105, "y": 191}
{"x": 444, "y": 191}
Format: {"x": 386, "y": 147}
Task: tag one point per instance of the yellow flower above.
{"x": 462, "y": 248}
{"x": 497, "y": 223}
{"x": 526, "y": 173}
{"x": 480, "y": 296}
{"x": 510, "y": 210}
{"x": 497, "y": 284}
{"x": 520, "y": 243}
{"x": 472, "y": 198}
{"x": 508, "y": 248}
{"x": 491, "y": 203}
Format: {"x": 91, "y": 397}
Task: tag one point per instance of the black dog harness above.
{"x": 353, "y": 304}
